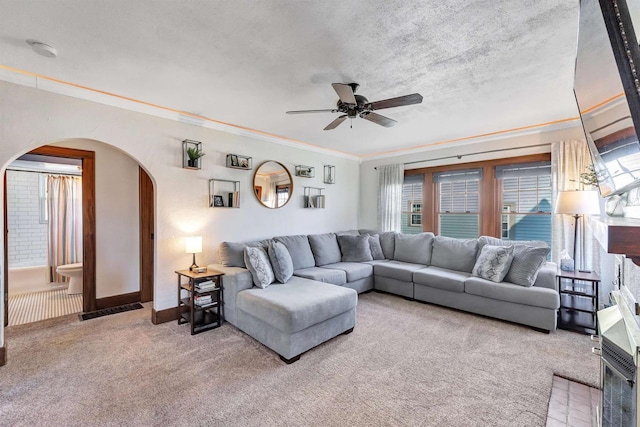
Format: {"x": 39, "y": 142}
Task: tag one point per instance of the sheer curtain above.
{"x": 568, "y": 160}
{"x": 390, "y": 180}
{"x": 64, "y": 231}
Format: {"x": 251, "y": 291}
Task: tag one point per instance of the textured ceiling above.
{"x": 481, "y": 66}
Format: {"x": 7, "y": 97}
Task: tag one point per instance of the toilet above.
{"x": 74, "y": 273}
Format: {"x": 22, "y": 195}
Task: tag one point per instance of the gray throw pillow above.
{"x": 299, "y": 249}
{"x": 231, "y": 254}
{"x": 281, "y": 262}
{"x": 413, "y": 248}
{"x": 325, "y": 248}
{"x": 375, "y": 247}
{"x": 454, "y": 254}
{"x": 528, "y": 258}
{"x": 355, "y": 248}
{"x": 493, "y": 262}
{"x": 258, "y": 264}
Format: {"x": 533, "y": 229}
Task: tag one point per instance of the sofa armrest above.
{"x": 547, "y": 276}
{"x": 235, "y": 280}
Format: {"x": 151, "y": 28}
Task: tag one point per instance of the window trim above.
{"x": 490, "y": 191}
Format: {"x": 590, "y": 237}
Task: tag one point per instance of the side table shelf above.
{"x": 579, "y": 301}
{"x": 201, "y": 316}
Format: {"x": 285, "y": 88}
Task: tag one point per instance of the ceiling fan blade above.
{"x": 379, "y": 120}
{"x": 414, "y": 98}
{"x": 312, "y": 111}
{"x": 334, "y": 124}
{"x": 345, "y": 92}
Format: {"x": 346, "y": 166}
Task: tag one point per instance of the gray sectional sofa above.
{"x": 319, "y": 301}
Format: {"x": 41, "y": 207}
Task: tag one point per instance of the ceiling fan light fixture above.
{"x": 42, "y": 48}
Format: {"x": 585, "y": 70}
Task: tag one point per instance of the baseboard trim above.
{"x": 116, "y": 300}
{"x": 164, "y": 316}
{"x": 3, "y": 355}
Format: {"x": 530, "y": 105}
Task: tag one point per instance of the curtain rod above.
{"x": 459, "y": 156}
{"x": 45, "y": 173}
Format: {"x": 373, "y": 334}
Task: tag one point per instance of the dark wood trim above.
{"x": 489, "y": 203}
{"x": 146, "y": 205}
{"x": 163, "y": 316}
{"x": 428, "y": 204}
{"x": 116, "y": 300}
{"x": 88, "y": 217}
{"x": 616, "y": 136}
{"x": 542, "y": 157}
{"x": 3, "y": 355}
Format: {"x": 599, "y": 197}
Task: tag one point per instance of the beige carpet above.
{"x": 406, "y": 363}
{"x": 36, "y": 306}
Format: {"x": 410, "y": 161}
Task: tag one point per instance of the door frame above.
{"x": 147, "y": 225}
{"x": 88, "y": 223}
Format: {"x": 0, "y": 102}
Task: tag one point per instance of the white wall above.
{"x": 30, "y": 118}
{"x": 117, "y": 218}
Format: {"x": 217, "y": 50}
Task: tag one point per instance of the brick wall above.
{"x": 27, "y": 236}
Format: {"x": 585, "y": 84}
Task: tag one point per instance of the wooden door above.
{"x": 146, "y": 236}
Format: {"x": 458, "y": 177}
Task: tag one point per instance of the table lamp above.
{"x": 194, "y": 246}
{"x": 577, "y": 203}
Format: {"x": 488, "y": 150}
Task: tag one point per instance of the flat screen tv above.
{"x": 607, "y": 91}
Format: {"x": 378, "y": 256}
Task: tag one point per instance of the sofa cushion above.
{"x": 296, "y": 305}
{"x": 534, "y": 296}
{"x": 321, "y": 274}
{"x": 299, "y": 249}
{"x": 231, "y": 254}
{"x": 348, "y": 233}
{"x": 413, "y": 248}
{"x": 528, "y": 257}
{"x": 280, "y": 262}
{"x": 355, "y": 270}
{"x": 397, "y": 270}
{"x": 454, "y": 254}
{"x": 376, "y": 248}
{"x": 441, "y": 278}
{"x": 388, "y": 243}
{"x": 493, "y": 262}
{"x": 355, "y": 248}
{"x": 258, "y": 263}
{"x": 325, "y": 248}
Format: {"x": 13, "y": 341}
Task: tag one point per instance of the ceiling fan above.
{"x": 353, "y": 105}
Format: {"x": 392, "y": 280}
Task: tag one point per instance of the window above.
{"x": 459, "y": 203}
{"x": 526, "y": 201}
{"x": 282, "y": 194}
{"x": 412, "y": 204}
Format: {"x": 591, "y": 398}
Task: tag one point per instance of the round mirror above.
{"x": 272, "y": 184}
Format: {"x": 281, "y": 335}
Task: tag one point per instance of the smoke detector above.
{"x": 42, "y": 48}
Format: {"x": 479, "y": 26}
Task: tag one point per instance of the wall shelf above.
{"x": 314, "y": 198}
{"x": 238, "y": 161}
{"x": 305, "y": 171}
{"x": 329, "y": 174}
{"x": 187, "y": 163}
{"x": 224, "y": 193}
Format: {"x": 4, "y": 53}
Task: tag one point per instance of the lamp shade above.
{"x": 578, "y": 203}
{"x": 194, "y": 245}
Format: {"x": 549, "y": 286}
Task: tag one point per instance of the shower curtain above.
{"x": 64, "y": 231}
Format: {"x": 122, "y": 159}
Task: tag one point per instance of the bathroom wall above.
{"x": 117, "y": 219}
{"x": 27, "y": 238}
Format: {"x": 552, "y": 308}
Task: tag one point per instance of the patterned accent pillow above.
{"x": 258, "y": 264}
{"x": 281, "y": 262}
{"x": 375, "y": 246}
{"x": 493, "y": 262}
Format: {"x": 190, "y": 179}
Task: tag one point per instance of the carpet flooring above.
{"x": 36, "y": 306}
{"x": 406, "y": 363}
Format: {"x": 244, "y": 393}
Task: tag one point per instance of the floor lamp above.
{"x": 577, "y": 203}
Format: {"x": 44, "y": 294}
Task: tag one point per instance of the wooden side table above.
{"x": 579, "y": 301}
{"x": 201, "y": 315}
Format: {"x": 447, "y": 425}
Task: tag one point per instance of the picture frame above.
{"x": 234, "y": 161}
{"x": 217, "y": 201}
{"x": 243, "y": 163}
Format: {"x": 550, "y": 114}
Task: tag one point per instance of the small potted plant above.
{"x": 194, "y": 154}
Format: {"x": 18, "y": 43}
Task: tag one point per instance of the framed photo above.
{"x": 234, "y": 160}
{"x": 415, "y": 220}
{"x": 218, "y": 201}
{"x": 243, "y": 163}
